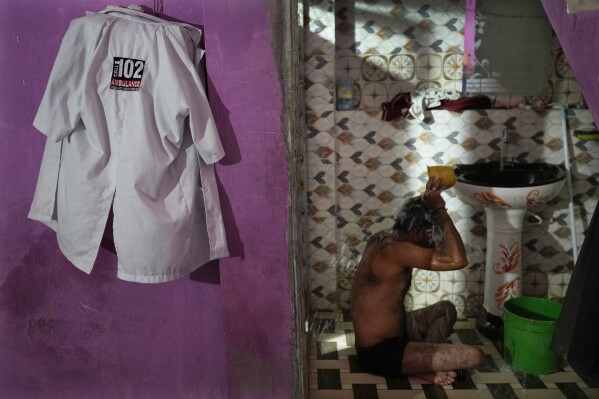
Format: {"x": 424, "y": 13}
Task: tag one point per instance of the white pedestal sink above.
{"x": 505, "y": 194}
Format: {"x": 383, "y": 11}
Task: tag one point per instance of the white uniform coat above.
{"x": 128, "y": 125}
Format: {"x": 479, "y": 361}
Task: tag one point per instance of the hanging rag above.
{"x": 428, "y": 99}
{"x": 404, "y": 105}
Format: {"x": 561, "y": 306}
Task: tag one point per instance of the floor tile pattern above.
{"x": 334, "y": 373}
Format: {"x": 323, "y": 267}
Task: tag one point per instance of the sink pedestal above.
{"x": 505, "y": 192}
{"x": 503, "y": 270}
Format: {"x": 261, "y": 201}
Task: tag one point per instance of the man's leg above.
{"x": 428, "y": 357}
{"x": 432, "y": 324}
{"x": 437, "y": 362}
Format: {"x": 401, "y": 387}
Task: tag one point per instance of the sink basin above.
{"x": 516, "y": 186}
{"x": 505, "y": 195}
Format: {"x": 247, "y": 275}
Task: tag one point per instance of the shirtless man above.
{"x": 390, "y": 341}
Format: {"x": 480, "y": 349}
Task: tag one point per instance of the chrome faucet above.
{"x": 505, "y": 137}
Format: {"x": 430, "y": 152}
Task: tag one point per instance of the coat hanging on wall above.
{"x": 129, "y": 128}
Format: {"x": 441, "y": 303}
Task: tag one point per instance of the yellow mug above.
{"x": 444, "y": 173}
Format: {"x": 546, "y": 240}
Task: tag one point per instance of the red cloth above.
{"x": 474, "y": 102}
{"x": 401, "y": 103}
{"x": 398, "y": 106}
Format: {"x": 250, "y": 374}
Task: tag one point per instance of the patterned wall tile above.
{"x": 558, "y": 284}
{"x": 410, "y": 36}
{"x": 369, "y": 185}
{"x": 319, "y": 39}
{"x": 410, "y": 42}
{"x": 361, "y": 168}
{"x": 402, "y": 67}
{"x": 426, "y": 281}
{"x": 453, "y": 282}
{"x": 425, "y": 299}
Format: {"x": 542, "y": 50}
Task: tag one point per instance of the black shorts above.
{"x": 385, "y": 358}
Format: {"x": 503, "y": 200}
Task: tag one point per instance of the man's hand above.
{"x": 432, "y": 194}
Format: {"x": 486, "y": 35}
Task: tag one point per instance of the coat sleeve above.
{"x": 194, "y": 105}
{"x": 59, "y": 112}
{"x": 43, "y": 206}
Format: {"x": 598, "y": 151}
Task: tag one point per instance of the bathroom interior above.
{"x": 299, "y": 196}
{"x": 362, "y": 164}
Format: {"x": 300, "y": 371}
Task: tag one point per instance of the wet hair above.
{"x": 415, "y": 214}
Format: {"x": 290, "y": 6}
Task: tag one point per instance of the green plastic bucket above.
{"x": 529, "y": 324}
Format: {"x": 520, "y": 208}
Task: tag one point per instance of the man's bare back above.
{"x": 390, "y": 340}
{"x": 378, "y": 300}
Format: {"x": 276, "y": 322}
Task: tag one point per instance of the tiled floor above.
{"x": 334, "y": 373}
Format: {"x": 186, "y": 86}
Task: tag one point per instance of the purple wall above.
{"x": 256, "y": 282}
{"x": 224, "y": 332}
{"x": 578, "y": 34}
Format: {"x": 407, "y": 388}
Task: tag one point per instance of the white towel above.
{"x": 430, "y": 98}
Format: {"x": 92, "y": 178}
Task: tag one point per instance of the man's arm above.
{"x": 452, "y": 254}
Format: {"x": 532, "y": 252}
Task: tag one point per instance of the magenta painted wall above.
{"x": 256, "y": 281}
{"x": 224, "y": 332}
{"x": 579, "y": 34}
